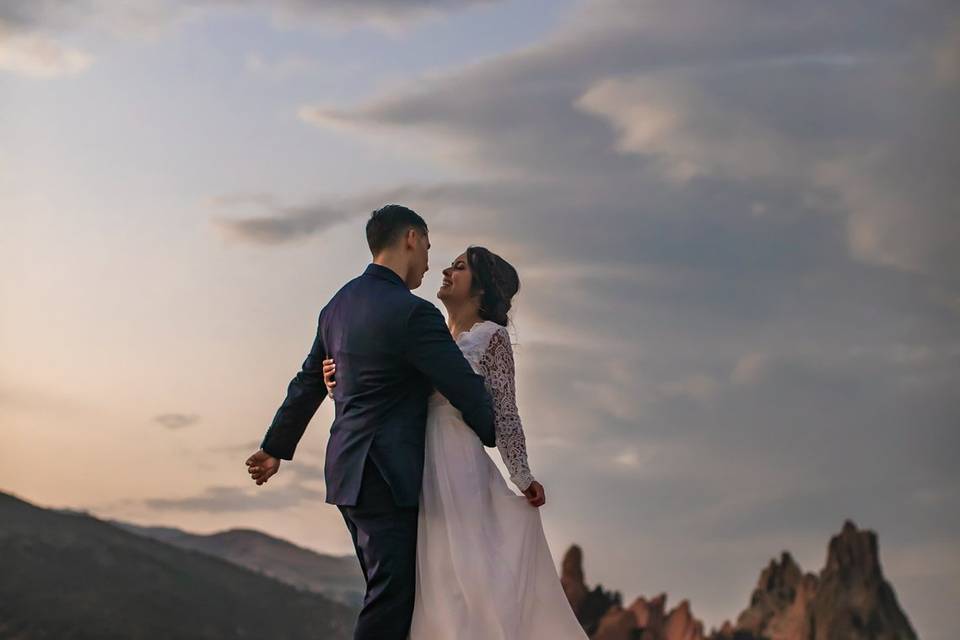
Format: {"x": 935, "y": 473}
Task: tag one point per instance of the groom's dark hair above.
{"x": 388, "y": 223}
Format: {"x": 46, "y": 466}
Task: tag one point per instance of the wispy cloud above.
{"x": 247, "y": 447}
{"x": 233, "y": 499}
{"x": 176, "y": 420}
{"x": 145, "y": 16}
{"x": 39, "y": 56}
{"x": 32, "y": 33}
{"x": 280, "y": 226}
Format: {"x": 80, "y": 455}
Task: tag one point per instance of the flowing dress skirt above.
{"x": 484, "y": 570}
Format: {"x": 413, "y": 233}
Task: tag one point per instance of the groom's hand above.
{"x": 261, "y": 465}
{"x": 535, "y": 495}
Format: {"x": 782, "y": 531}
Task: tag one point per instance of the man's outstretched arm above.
{"x": 304, "y": 394}
{"x": 431, "y": 349}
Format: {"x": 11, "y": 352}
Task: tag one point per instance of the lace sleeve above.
{"x": 498, "y": 367}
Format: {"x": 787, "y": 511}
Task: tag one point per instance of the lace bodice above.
{"x": 487, "y": 348}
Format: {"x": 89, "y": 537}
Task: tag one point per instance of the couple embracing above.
{"x": 448, "y": 550}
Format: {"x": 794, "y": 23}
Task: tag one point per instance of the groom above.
{"x": 391, "y": 348}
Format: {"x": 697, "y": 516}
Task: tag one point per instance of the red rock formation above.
{"x": 681, "y": 625}
{"x": 588, "y": 606}
{"x": 650, "y": 616}
{"x": 853, "y": 600}
{"x": 645, "y": 620}
{"x": 794, "y": 623}
{"x": 572, "y": 579}
{"x": 775, "y": 610}
{"x": 616, "y": 624}
{"x": 725, "y": 632}
{"x": 849, "y": 600}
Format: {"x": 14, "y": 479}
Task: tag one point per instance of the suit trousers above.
{"x": 385, "y": 539}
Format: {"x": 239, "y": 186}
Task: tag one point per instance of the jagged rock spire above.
{"x": 854, "y": 601}
{"x": 572, "y": 578}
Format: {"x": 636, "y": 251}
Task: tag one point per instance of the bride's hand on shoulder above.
{"x": 329, "y": 369}
{"x": 535, "y": 495}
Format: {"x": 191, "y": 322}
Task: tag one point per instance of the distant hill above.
{"x": 71, "y": 576}
{"x": 337, "y": 577}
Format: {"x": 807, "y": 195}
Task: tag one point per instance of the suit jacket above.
{"x": 391, "y": 348}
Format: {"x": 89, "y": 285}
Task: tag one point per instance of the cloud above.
{"x": 386, "y": 14}
{"x": 697, "y": 386}
{"x": 220, "y": 499}
{"x": 308, "y": 472}
{"x": 749, "y": 368}
{"x": 39, "y": 56}
{"x": 290, "y": 65}
{"x": 46, "y": 14}
{"x": 283, "y": 225}
{"x": 279, "y": 224}
{"x": 840, "y": 113}
{"x": 176, "y": 420}
{"x": 32, "y": 33}
{"x": 687, "y": 125}
{"x": 245, "y": 448}
{"x": 664, "y": 119}
{"x": 140, "y": 17}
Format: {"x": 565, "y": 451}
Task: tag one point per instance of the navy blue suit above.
{"x": 391, "y": 348}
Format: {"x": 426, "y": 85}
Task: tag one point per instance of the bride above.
{"x": 484, "y": 570}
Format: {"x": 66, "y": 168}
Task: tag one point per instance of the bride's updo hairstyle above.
{"x": 498, "y": 281}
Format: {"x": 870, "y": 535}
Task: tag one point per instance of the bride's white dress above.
{"x": 484, "y": 570}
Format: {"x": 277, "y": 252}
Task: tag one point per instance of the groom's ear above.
{"x": 412, "y": 237}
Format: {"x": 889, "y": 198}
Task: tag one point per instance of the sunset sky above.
{"x": 735, "y": 223}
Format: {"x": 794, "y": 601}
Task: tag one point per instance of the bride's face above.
{"x": 456, "y": 281}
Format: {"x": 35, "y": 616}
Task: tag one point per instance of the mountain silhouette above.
{"x": 337, "y": 577}
{"x": 72, "y": 576}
